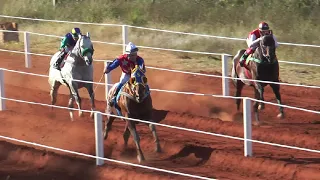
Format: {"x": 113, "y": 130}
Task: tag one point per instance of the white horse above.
{"x": 77, "y": 66}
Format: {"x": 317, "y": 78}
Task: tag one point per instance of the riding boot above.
{"x": 245, "y": 56}
{"x": 114, "y": 98}
{"x": 57, "y": 64}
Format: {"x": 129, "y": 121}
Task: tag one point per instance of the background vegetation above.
{"x": 295, "y": 21}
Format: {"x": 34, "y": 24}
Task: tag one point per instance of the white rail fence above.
{"x": 151, "y": 29}
{"x": 225, "y": 77}
{"x": 125, "y": 37}
{"x": 107, "y": 86}
{"x": 224, "y": 57}
{"x": 247, "y": 107}
{"x": 248, "y": 151}
{"x": 98, "y": 115}
{"x": 100, "y": 159}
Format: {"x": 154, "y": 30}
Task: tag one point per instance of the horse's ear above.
{"x": 88, "y": 34}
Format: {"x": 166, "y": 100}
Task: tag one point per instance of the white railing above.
{"x": 125, "y": 36}
{"x": 98, "y": 127}
{"x": 224, "y": 57}
{"x": 152, "y": 29}
{"x": 99, "y": 159}
{"x": 108, "y": 83}
{"x": 246, "y": 118}
{"x": 98, "y": 120}
{"x": 225, "y": 78}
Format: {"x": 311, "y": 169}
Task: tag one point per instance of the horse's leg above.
{"x": 70, "y": 105}
{"x": 75, "y": 93}
{"x": 108, "y": 126}
{"x": 108, "y": 122}
{"x": 54, "y": 92}
{"x": 276, "y": 90}
{"x": 255, "y": 105}
{"x": 155, "y": 136}
{"x": 148, "y": 116}
{"x": 89, "y": 87}
{"x": 239, "y": 88}
{"x": 126, "y": 134}
{"x": 260, "y": 97}
{"x": 136, "y": 138}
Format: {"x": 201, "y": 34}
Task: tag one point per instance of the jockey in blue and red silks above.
{"x": 127, "y": 62}
{"x": 67, "y": 44}
{"x": 254, "y": 39}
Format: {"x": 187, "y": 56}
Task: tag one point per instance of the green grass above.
{"x": 291, "y": 20}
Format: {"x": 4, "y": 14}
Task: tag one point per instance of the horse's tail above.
{"x": 235, "y": 61}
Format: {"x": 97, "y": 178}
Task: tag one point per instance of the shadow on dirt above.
{"x": 203, "y": 153}
{"x": 159, "y": 115}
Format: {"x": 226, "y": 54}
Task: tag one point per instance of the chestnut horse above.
{"x": 133, "y": 101}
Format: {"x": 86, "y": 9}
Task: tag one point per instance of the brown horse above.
{"x": 133, "y": 101}
{"x": 262, "y": 65}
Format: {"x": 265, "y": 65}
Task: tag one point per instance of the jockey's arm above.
{"x": 115, "y": 63}
{"x": 275, "y": 41}
{"x": 64, "y": 43}
{"x": 254, "y": 42}
{"x": 140, "y": 63}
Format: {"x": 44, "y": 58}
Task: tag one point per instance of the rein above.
{"x": 130, "y": 96}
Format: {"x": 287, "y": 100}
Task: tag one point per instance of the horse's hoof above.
{"x": 261, "y": 107}
{"x": 280, "y": 116}
{"x": 256, "y": 123}
{"x": 158, "y": 149}
{"x": 80, "y": 114}
{"x": 140, "y": 158}
{"x": 92, "y": 115}
{"x": 71, "y": 115}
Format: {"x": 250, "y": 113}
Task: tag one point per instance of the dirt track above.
{"x": 186, "y": 152}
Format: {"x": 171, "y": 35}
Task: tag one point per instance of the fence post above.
{"x": 225, "y": 81}
{"x": 107, "y": 80}
{"x": 54, "y": 2}
{"x": 2, "y": 101}
{"x": 247, "y": 127}
{"x": 125, "y": 40}
{"x": 99, "y": 138}
{"x": 27, "y": 50}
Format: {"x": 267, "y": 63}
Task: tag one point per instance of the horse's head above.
{"x": 84, "y": 49}
{"x": 139, "y": 86}
{"x": 268, "y": 48}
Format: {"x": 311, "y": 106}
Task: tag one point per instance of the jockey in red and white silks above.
{"x": 253, "y": 40}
